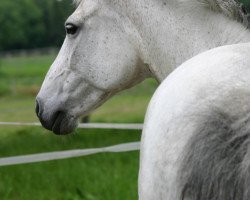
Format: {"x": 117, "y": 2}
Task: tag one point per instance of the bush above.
{"x": 4, "y": 89}
{"x": 32, "y": 23}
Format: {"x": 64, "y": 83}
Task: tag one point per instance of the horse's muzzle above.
{"x": 53, "y": 121}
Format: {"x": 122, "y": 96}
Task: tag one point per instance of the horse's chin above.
{"x": 64, "y": 125}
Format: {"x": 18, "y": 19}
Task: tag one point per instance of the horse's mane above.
{"x": 231, "y": 8}
{"x": 216, "y": 164}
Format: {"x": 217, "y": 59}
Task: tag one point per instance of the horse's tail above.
{"x": 216, "y": 161}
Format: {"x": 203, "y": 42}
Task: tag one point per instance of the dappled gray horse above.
{"x": 112, "y": 45}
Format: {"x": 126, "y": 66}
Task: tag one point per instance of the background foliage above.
{"x": 246, "y": 3}
{"x": 32, "y": 23}
{"x": 38, "y": 20}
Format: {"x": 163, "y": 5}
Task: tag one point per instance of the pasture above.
{"x": 96, "y": 177}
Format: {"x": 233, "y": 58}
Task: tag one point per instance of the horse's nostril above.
{"x": 38, "y": 108}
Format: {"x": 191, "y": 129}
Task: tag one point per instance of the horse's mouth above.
{"x": 57, "y": 125}
{"x": 61, "y": 123}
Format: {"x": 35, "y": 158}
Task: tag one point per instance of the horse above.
{"x": 112, "y": 45}
{"x": 196, "y": 137}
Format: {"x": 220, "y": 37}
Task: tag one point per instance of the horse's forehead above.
{"x": 84, "y": 3}
{"x": 85, "y": 8}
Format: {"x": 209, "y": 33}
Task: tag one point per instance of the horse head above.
{"x": 99, "y": 58}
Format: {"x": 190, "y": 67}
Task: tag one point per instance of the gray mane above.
{"x": 216, "y": 161}
{"x": 230, "y": 8}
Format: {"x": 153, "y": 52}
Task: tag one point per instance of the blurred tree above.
{"x": 33, "y": 27}
{"x": 59, "y": 18}
{"x": 32, "y": 23}
{"x": 246, "y": 3}
{"x": 36, "y": 23}
{"x": 19, "y": 23}
{"x": 54, "y": 15}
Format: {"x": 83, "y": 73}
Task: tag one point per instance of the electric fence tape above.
{"x": 84, "y": 126}
{"x": 33, "y": 158}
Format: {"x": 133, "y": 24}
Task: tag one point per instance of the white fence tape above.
{"x": 84, "y": 126}
{"x": 68, "y": 154}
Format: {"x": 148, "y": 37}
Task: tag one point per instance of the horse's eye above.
{"x": 71, "y": 29}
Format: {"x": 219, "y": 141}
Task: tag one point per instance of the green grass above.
{"x": 23, "y": 67}
{"x": 23, "y": 75}
{"x": 102, "y": 177}
{"x": 96, "y": 177}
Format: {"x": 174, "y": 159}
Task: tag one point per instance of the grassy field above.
{"x": 96, "y": 177}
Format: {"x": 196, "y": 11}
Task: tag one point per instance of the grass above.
{"x": 23, "y": 75}
{"x": 102, "y": 177}
{"x": 97, "y": 177}
{"x": 23, "y": 67}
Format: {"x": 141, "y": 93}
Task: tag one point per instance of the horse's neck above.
{"x": 172, "y": 34}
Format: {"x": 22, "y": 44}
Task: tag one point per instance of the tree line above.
{"x": 27, "y": 24}
{"x": 246, "y": 4}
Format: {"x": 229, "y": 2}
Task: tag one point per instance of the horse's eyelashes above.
{"x": 71, "y": 29}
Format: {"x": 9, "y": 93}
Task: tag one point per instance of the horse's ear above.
{"x": 77, "y": 2}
